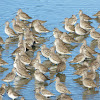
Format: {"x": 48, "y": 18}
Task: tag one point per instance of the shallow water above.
{"x": 54, "y": 11}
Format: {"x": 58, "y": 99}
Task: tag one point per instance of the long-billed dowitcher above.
{"x": 61, "y": 66}
{"x": 16, "y": 27}
{"x": 72, "y": 20}
{"x": 78, "y": 59}
{"x": 1, "y": 41}
{"x": 45, "y": 51}
{"x": 24, "y": 58}
{"x": 66, "y": 38}
{"x": 91, "y": 74}
{"x": 80, "y": 70}
{"x": 97, "y": 14}
{"x": 9, "y": 31}
{"x": 20, "y": 68}
{"x": 31, "y": 41}
{"x": 41, "y": 67}
{"x": 57, "y": 33}
{"x": 22, "y": 73}
{"x": 61, "y": 88}
{"x": 94, "y": 34}
{"x": 29, "y": 34}
{"x": 89, "y": 49}
{"x": 36, "y": 58}
{"x": 20, "y": 40}
{"x": 2, "y": 62}
{"x": 85, "y": 17}
{"x": 68, "y": 26}
{"x": 61, "y": 47}
{"x": 12, "y": 94}
{"x": 40, "y": 21}
{"x": 20, "y": 48}
{"x": 40, "y": 76}
{"x": 96, "y": 62}
{"x": 46, "y": 92}
{"x": 2, "y": 89}
{"x": 53, "y": 57}
{"x": 10, "y": 76}
{"x": 39, "y": 27}
{"x": 79, "y": 30}
{"x": 20, "y": 23}
{"x": 86, "y": 53}
{"x": 85, "y": 25}
{"x": 87, "y": 82}
{"x": 39, "y": 96}
{"x": 22, "y": 15}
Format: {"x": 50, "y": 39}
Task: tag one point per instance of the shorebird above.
{"x": 22, "y": 47}
{"x": 2, "y": 89}
{"x": 1, "y": 41}
{"x": 68, "y": 26}
{"x": 10, "y": 76}
{"x": 72, "y": 20}
{"x": 96, "y": 62}
{"x": 12, "y": 94}
{"x": 20, "y": 40}
{"x": 84, "y": 24}
{"x": 97, "y": 14}
{"x": 20, "y": 23}
{"x": 94, "y": 34}
{"x": 20, "y": 68}
{"x": 41, "y": 67}
{"x": 61, "y": 66}
{"x": 78, "y": 59}
{"x": 2, "y": 62}
{"x": 46, "y": 92}
{"x": 10, "y": 32}
{"x": 39, "y": 96}
{"x": 40, "y": 76}
{"x": 24, "y": 58}
{"x": 61, "y": 88}
{"x": 66, "y": 38}
{"x": 39, "y": 27}
{"x": 2, "y": 69}
{"x": 16, "y": 27}
{"x": 85, "y": 17}
{"x": 91, "y": 74}
{"x": 22, "y": 73}
{"x": 79, "y": 30}
{"x": 86, "y": 52}
{"x": 57, "y": 33}
{"x": 81, "y": 69}
{"x": 29, "y": 34}
{"x": 61, "y": 47}
{"x": 85, "y": 46}
{"x": 88, "y": 82}
{"x": 53, "y": 57}
{"x": 36, "y": 58}
{"x": 45, "y": 51}
{"x": 31, "y": 41}
{"x": 40, "y": 21}
{"x": 22, "y": 15}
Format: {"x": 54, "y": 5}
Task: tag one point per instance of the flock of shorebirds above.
{"x": 28, "y": 34}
